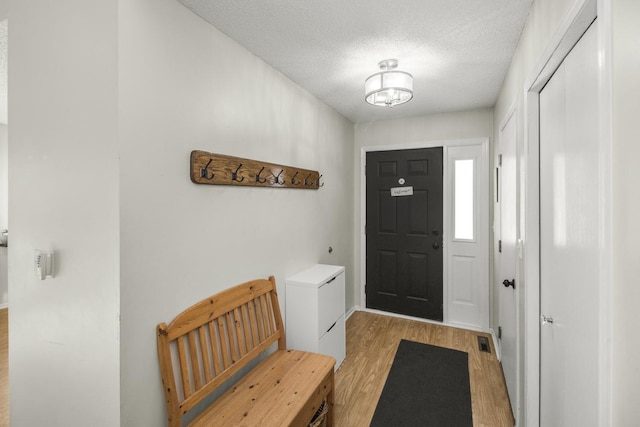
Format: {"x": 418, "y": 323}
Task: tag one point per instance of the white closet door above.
{"x": 569, "y": 241}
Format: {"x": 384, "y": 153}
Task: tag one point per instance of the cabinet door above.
{"x": 330, "y": 303}
{"x": 333, "y": 342}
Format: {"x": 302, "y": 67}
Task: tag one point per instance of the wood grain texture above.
{"x": 219, "y": 169}
{"x": 286, "y": 389}
{"x": 372, "y": 340}
{"x": 214, "y": 339}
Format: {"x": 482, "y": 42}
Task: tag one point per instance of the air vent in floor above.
{"x": 483, "y": 344}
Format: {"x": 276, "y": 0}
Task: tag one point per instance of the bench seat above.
{"x": 285, "y": 389}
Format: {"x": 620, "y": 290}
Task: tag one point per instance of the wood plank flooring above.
{"x": 372, "y": 340}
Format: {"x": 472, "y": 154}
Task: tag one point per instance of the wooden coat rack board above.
{"x": 218, "y": 169}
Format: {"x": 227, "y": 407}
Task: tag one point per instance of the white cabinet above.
{"x": 315, "y": 311}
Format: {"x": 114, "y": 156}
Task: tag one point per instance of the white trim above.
{"x": 445, "y": 144}
{"x": 351, "y": 311}
{"x": 496, "y": 344}
{"x": 575, "y": 23}
{"x": 605, "y": 90}
{"x": 4, "y": 305}
{"x": 513, "y": 112}
{"x": 420, "y": 319}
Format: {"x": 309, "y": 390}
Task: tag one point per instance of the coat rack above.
{"x": 218, "y": 169}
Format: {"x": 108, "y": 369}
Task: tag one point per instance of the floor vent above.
{"x": 483, "y": 344}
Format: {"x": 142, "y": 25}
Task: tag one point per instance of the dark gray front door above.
{"x": 404, "y": 232}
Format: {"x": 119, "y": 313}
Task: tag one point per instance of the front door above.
{"x": 404, "y": 232}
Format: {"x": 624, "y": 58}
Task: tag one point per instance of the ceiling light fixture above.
{"x": 388, "y": 87}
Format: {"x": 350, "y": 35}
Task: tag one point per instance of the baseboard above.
{"x": 4, "y": 305}
{"x": 496, "y": 344}
{"x": 351, "y": 311}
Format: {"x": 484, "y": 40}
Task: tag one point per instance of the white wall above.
{"x": 4, "y": 177}
{"x": 4, "y": 214}
{"x": 626, "y": 211}
{"x": 436, "y": 127}
{"x": 542, "y": 22}
{"x": 63, "y": 345}
{"x": 185, "y": 86}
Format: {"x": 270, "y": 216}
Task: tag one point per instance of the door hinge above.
{"x": 499, "y": 159}
{"x": 499, "y": 332}
{"x": 500, "y": 246}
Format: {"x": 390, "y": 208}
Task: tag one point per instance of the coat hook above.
{"x": 277, "y": 177}
{"x": 234, "y": 175}
{"x": 306, "y": 179}
{"x": 204, "y": 171}
{"x": 293, "y": 179}
{"x": 263, "y": 180}
{"x": 318, "y": 182}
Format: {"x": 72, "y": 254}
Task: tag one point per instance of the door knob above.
{"x": 546, "y": 320}
{"x": 436, "y": 245}
{"x": 508, "y": 283}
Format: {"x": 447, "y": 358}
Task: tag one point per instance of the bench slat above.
{"x": 204, "y": 352}
{"x": 224, "y": 347}
{"x": 195, "y": 363}
{"x": 245, "y": 324}
{"x": 184, "y": 368}
{"x": 214, "y": 348}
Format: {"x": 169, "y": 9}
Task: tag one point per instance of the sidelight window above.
{"x": 464, "y": 199}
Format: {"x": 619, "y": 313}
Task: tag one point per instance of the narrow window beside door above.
{"x": 464, "y": 199}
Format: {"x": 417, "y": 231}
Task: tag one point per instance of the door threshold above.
{"x": 420, "y": 319}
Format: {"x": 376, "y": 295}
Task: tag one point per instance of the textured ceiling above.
{"x": 457, "y": 50}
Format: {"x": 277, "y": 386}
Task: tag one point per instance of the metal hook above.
{"x": 263, "y": 180}
{"x": 293, "y": 179}
{"x": 305, "y": 181}
{"x": 204, "y": 171}
{"x": 318, "y": 182}
{"x": 234, "y": 175}
{"x": 277, "y": 177}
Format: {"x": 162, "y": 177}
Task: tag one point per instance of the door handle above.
{"x": 436, "y": 245}
{"x": 547, "y": 320}
{"x": 508, "y": 283}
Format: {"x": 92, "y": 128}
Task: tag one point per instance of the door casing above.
{"x": 515, "y": 269}
{"x": 484, "y": 143}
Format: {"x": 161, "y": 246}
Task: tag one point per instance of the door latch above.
{"x": 547, "y": 320}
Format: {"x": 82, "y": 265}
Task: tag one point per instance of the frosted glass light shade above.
{"x": 388, "y": 88}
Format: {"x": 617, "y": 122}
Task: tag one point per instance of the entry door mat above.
{"x": 426, "y": 386}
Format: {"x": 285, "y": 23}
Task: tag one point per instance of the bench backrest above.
{"x": 213, "y": 339}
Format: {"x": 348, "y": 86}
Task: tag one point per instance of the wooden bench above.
{"x": 214, "y": 339}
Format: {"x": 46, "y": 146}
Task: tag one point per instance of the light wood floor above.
{"x": 4, "y": 368}
{"x": 372, "y": 340}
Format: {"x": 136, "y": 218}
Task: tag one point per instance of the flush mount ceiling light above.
{"x": 388, "y": 87}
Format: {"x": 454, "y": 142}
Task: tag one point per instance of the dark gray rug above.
{"x": 426, "y": 386}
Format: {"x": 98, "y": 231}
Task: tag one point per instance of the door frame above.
{"x": 575, "y": 23}
{"x": 512, "y": 113}
{"x": 482, "y": 181}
